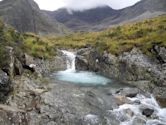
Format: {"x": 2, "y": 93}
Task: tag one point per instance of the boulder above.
{"x": 147, "y": 112}
{"x": 160, "y": 53}
{"x": 43, "y": 66}
{"x": 111, "y": 118}
{"x": 128, "y": 92}
{"x": 82, "y": 63}
{"x": 91, "y": 119}
{"x": 18, "y": 68}
{"x": 120, "y": 100}
{"x": 8, "y": 64}
{"x": 138, "y": 121}
{"x": 11, "y": 65}
{"x": 4, "y": 85}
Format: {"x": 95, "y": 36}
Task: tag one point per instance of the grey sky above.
{"x": 83, "y": 4}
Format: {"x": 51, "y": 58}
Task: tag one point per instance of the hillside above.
{"x": 143, "y": 34}
{"x": 103, "y": 17}
{"x": 115, "y": 40}
{"x": 25, "y": 16}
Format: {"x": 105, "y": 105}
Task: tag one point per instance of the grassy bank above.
{"x": 143, "y": 34}
{"x": 118, "y": 39}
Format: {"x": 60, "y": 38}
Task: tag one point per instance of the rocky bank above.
{"x": 133, "y": 67}
{"x": 30, "y": 97}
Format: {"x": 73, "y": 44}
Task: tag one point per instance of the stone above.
{"x": 18, "y": 67}
{"x": 8, "y": 65}
{"x": 111, "y": 118}
{"x": 4, "y": 85}
{"x": 129, "y": 92}
{"x": 82, "y": 63}
{"x": 161, "y": 53}
{"x": 138, "y": 121}
{"x": 147, "y": 112}
{"x": 91, "y": 119}
{"x": 120, "y": 100}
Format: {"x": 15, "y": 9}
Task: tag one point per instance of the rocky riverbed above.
{"x": 133, "y": 67}
{"x": 32, "y": 99}
{"x": 51, "y": 102}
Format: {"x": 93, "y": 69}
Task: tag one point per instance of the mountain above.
{"x": 77, "y": 20}
{"x": 25, "y": 16}
{"x": 103, "y": 17}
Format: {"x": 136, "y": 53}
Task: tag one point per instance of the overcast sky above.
{"x": 83, "y": 4}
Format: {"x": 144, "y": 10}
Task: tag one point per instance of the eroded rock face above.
{"x": 42, "y": 66}
{"x": 11, "y": 64}
{"x": 132, "y": 67}
{"x": 4, "y": 85}
{"x": 160, "y": 53}
{"x": 8, "y": 65}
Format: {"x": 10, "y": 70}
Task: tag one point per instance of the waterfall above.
{"x": 79, "y": 77}
{"x": 70, "y": 60}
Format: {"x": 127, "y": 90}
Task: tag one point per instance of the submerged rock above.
{"x": 138, "y": 121}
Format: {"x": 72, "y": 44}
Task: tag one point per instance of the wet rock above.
{"x": 138, "y": 121}
{"x": 147, "y": 112}
{"x": 161, "y": 100}
{"x": 133, "y": 67}
{"x": 82, "y": 63}
{"x": 120, "y": 100}
{"x": 160, "y": 94}
{"x": 111, "y": 118}
{"x": 129, "y": 113}
{"x": 94, "y": 101}
{"x": 91, "y": 119}
{"x": 128, "y": 92}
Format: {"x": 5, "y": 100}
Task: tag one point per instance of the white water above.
{"x": 80, "y": 77}
{"x": 125, "y": 118}
{"x": 159, "y": 114}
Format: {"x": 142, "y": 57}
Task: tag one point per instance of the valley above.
{"x": 94, "y": 67}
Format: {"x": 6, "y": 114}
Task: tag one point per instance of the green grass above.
{"x": 143, "y": 34}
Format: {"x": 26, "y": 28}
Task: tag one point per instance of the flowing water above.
{"x": 127, "y": 114}
{"x": 80, "y": 77}
{"x": 123, "y": 113}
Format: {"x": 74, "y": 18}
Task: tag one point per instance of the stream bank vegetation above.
{"x": 143, "y": 34}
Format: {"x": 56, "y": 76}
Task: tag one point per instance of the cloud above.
{"x": 86, "y": 4}
{"x": 83, "y": 4}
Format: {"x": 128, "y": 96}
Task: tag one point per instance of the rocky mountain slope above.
{"x": 102, "y": 17}
{"x": 25, "y": 16}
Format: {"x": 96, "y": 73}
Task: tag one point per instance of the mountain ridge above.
{"x": 103, "y": 17}
{"x": 26, "y": 16}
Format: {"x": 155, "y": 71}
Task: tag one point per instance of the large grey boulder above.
{"x": 4, "y": 85}
{"x": 43, "y": 66}
{"x": 160, "y": 53}
{"x": 10, "y": 63}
